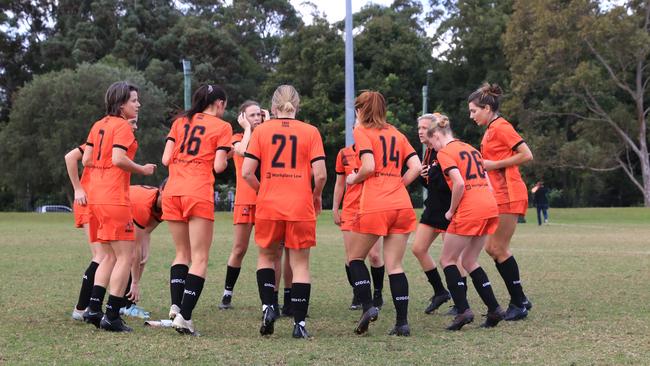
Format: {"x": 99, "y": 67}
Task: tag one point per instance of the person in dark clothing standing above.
{"x": 540, "y": 197}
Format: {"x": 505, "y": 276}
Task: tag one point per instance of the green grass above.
{"x": 587, "y": 274}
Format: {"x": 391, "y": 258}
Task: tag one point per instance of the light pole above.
{"x": 187, "y": 83}
{"x": 349, "y": 75}
{"x": 425, "y": 100}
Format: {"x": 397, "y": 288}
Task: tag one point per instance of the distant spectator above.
{"x": 540, "y": 197}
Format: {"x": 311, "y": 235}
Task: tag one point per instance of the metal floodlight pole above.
{"x": 425, "y": 104}
{"x": 187, "y": 83}
{"x": 349, "y": 75}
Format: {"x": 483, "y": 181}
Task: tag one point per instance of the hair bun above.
{"x": 493, "y": 90}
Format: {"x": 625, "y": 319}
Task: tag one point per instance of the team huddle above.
{"x": 474, "y": 199}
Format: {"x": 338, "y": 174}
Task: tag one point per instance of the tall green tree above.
{"x": 581, "y": 79}
{"x": 53, "y": 114}
{"x": 470, "y": 51}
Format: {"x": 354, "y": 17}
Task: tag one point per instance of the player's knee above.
{"x": 418, "y": 252}
{"x": 375, "y": 260}
{"x": 239, "y": 252}
{"x": 492, "y": 250}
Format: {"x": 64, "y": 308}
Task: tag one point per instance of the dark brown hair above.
{"x": 487, "y": 94}
{"x": 203, "y": 97}
{"x": 116, "y": 95}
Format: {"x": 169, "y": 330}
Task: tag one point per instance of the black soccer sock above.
{"x": 509, "y": 271}
{"x": 287, "y": 298}
{"x": 300, "y": 301}
{"x": 97, "y": 298}
{"x": 127, "y": 302}
{"x": 87, "y": 283}
{"x": 436, "y": 282}
{"x": 177, "y": 276}
{"x": 456, "y": 287}
{"x": 275, "y": 299}
{"x": 266, "y": 285}
{"x": 191, "y": 294}
{"x": 232, "y": 274}
{"x": 113, "y": 307}
{"x": 361, "y": 281}
{"x": 399, "y": 289}
{"x": 484, "y": 288}
{"x": 377, "y": 274}
{"x": 349, "y": 275}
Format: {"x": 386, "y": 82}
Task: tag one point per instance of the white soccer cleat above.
{"x": 173, "y": 311}
{"x": 183, "y": 326}
{"x": 78, "y": 314}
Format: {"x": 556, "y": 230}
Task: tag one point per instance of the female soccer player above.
{"x": 473, "y": 214}
{"x": 197, "y": 145}
{"x": 110, "y": 148}
{"x": 288, "y": 152}
{"x": 385, "y": 208}
{"x": 80, "y": 209}
{"x": 503, "y": 150}
{"x": 347, "y": 162}
{"x": 146, "y": 208}
{"x": 250, "y": 115}
{"x": 433, "y": 221}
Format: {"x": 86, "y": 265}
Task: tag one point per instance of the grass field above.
{"x": 587, "y": 274}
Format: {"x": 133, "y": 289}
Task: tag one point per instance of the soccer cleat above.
{"x": 183, "y": 326}
{"x": 453, "y": 311}
{"x": 299, "y": 331}
{"x": 173, "y": 311}
{"x": 356, "y": 304}
{"x": 493, "y": 318}
{"x": 286, "y": 310}
{"x": 436, "y": 302}
{"x": 377, "y": 299}
{"x": 527, "y": 303}
{"x": 368, "y": 316}
{"x": 461, "y": 319}
{"x": 515, "y": 313}
{"x": 226, "y": 302}
{"x": 116, "y": 325}
{"x": 401, "y": 331}
{"x": 268, "y": 318}
{"x": 78, "y": 314}
{"x": 135, "y": 312}
{"x": 93, "y": 317}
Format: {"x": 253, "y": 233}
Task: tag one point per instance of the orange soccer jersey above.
{"x": 285, "y": 149}
{"x": 143, "y": 205}
{"x": 478, "y": 201}
{"x": 110, "y": 184}
{"x": 192, "y": 160}
{"x": 244, "y": 194}
{"x": 384, "y": 189}
{"x": 347, "y": 162}
{"x": 500, "y": 141}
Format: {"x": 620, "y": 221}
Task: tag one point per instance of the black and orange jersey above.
{"x": 500, "y": 142}
{"x": 285, "y": 150}
{"x": 384, "y": 188}
{"x": 478, "y": 201}
{"x": 108, "y": 183}
{"x": 192, "y": 162}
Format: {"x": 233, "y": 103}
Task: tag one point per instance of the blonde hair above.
{"x": 371, "y": 109}
{"x": 286, "y": 99}
{"x": 439, "y": 123}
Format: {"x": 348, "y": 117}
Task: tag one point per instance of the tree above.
{"x": 472, "y": 30}
{"x": 53, "y": 114}
{"x": 585, "y": 70}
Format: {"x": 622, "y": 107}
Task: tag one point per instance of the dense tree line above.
{"x": 575, "y": 74}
